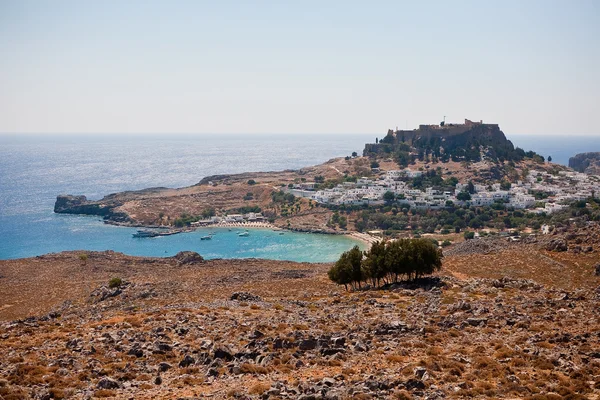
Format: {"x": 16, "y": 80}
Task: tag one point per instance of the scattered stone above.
{"x": 108, "y": 383}
{"x": 186, "y": 361}
{"x": 245, "y": 296}
{"x": 308, "y": 344}
{"x": 163, "y": 366}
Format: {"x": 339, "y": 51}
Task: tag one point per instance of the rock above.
{"x": 307, "y": 397}
{"x": 413, "y": 384}
{"x": 108, "y": 383}
{"x": 597, "y": 270}
{"x": 186, "y": 361}
{"x": 476, "y": 321}
{"x": 257, "y": 335}
{"x": 588, "y": 163}
{"x": 332, "y": 351}
{"x": 420, "y": 372}
{"x": 157, "y": 380}
{"x": 223, "y": 352}
{"x": 360, "y": 347}
{"x": 163, "y": 366}
{"x": 245, "y": 296}
{"x": 308, "y": 344}
{"x": 388, "y": 328}
{"x": 338, "y": 341}
{"x": 161, "y": 347}
{"x": 557, "y": 245}
{"x": 328, "y": 381}
{"x": 188, "y": 257}
{"x": 136, "y": 351}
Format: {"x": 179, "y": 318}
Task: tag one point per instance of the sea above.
{"x": 34, "y": 169}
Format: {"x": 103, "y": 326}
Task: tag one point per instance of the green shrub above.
{"x": 115, "y": 283}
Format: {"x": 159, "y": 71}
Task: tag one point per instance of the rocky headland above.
{"x": 588, "y": 163}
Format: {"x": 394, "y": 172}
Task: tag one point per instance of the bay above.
{"x": 34, "y": 169}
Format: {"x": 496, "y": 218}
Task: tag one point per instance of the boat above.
{"x": 243, "y": 234}
{"x": 145, "y": 233}
{"x": 207, "y": 237}
{"x": 282, "y": 233}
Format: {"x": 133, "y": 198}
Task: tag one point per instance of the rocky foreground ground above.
{"x": 508, "y": 321}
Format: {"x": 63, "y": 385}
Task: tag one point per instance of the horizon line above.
{"x": 4, "y": 133}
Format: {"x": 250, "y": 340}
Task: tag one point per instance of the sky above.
{"x": 125, "y": 66}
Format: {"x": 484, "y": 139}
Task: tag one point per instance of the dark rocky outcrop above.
{"x": 188, "y": 257}
{"x": 588, "y": 163}
{"x": 456, "y": 141}
{"x": 69, "y": 204}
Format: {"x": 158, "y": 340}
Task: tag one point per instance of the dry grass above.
{"x": 259, "y": 388}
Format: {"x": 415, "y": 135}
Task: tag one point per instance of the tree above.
{"x": 341, "y": 272}
{"x": 469, "y": 235}
{"x": 470, "y": 187}
{"x": 463, "y": 196}
{"x": 251, "y": 182}
{"x": 375, "y": 263}
{"x": 505, "y": 185}
{"x": 374, "y": 164}
{"x": 386, "y": 262}
{"x": 354, "y": 154}
{"x": 388, "y": 196}
{"x": 549, "y": 158}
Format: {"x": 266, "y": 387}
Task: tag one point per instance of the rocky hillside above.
{"x": 588, "y": 163}
{"x": 449, "y": 142}
{"x": 187, "y": 328}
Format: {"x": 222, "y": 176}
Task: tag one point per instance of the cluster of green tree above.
{"x": 400, "y": 217}
{"x": 282, "y": 197}
{"x": 386, "y": 262}
{"x": 339, "y": 220}
{"x": 458, "y": 148}
{"x": 187, "y": 219}
{"x": 289, "y": 209}
{"x": 249, "y": 209}
{"x": 429, "y": 178}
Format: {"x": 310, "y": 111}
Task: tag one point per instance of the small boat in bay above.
{"x": 243, "y": 234}
{"x": 145, "y": 233}
{"x": 207, "y": 237}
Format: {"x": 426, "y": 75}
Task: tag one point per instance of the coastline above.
{"x": 364, "y": 238}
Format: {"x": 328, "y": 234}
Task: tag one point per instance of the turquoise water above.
{"x": 82, "y": 232}
{"x": 34, "y": 169}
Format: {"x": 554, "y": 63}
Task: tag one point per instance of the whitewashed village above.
{"x": 561, "y": 190}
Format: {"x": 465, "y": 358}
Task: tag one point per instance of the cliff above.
{"x": 68, "y": 204}
{"x": 458, "y": 142}
{"x": 588, "y": 163}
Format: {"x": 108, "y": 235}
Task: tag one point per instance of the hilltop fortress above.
{"x": 464, "y": 141}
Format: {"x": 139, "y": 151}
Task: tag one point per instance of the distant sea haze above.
{"x": 36, "y": 168}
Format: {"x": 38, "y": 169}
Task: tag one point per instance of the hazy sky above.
{"x": 298, "y": 66}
